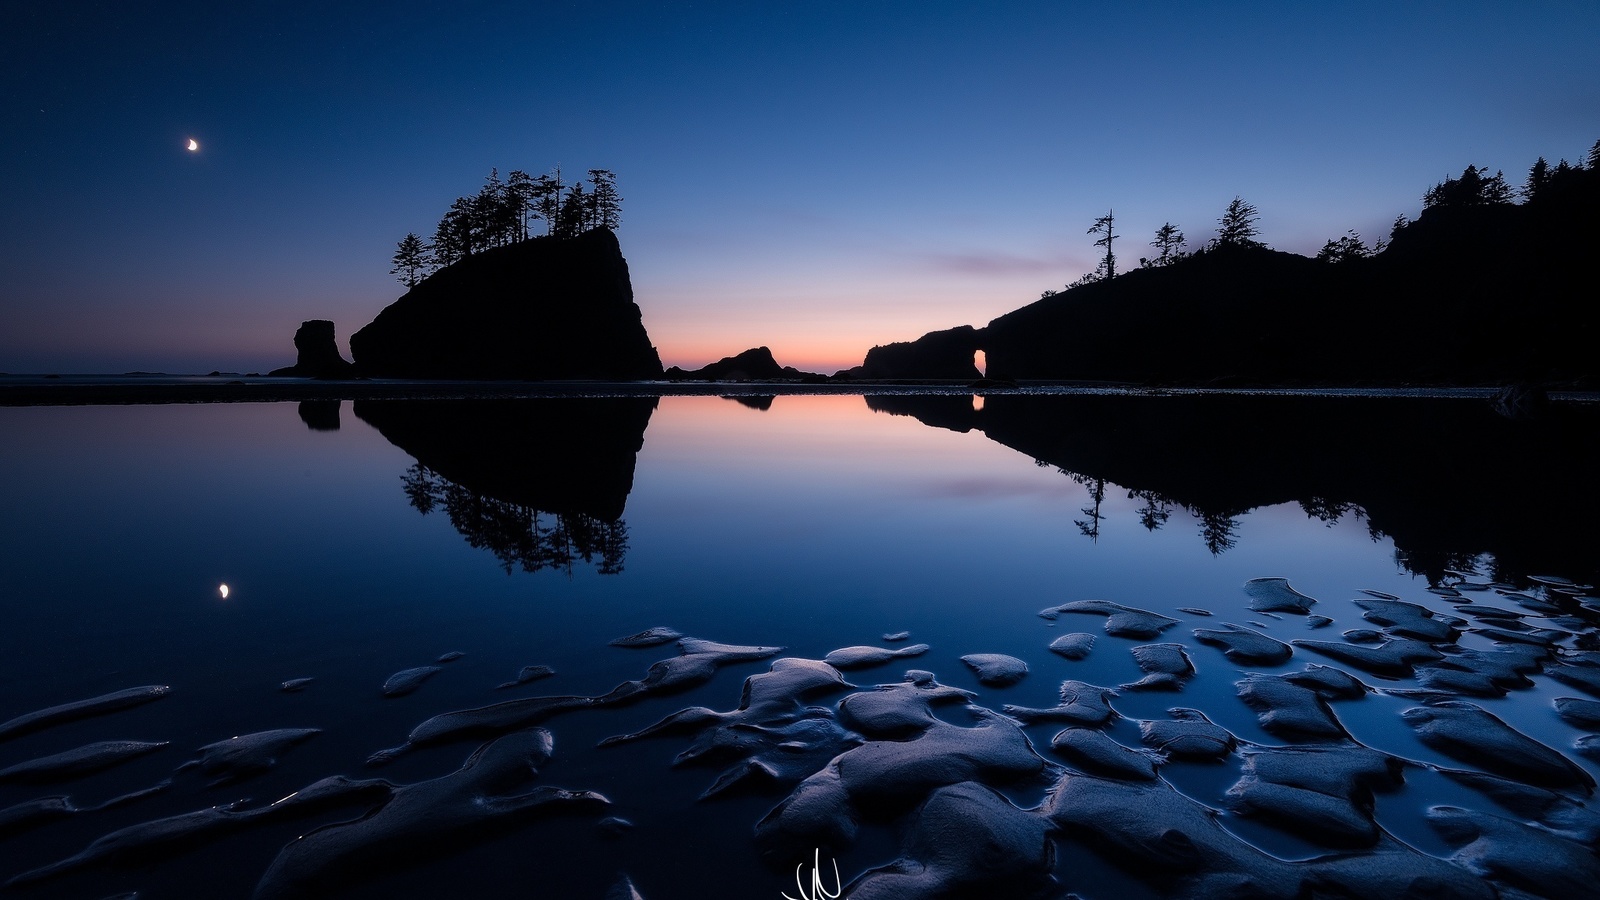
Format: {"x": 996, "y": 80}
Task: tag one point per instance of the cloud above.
{"x": 991, "y": 263}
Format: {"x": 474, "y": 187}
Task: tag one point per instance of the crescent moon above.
{"x": 194, "y": 144}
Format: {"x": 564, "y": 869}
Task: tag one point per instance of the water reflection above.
{"x": 539, "y": 483}
{"x": 760, "y": 402}
{"x": 320, "y": 415}
{"x": 1451, "y": 482}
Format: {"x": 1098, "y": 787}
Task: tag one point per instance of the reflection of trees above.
{"x": 1449, "y": 480}
{"x": 1097, "y": 495}
{"x": 1155, "y": 511}
{"x": 519, "y": 536}
{"x": 539, "y": 482}
{"x": 1327, "y": 511}
{"x": 1219, "y": 530}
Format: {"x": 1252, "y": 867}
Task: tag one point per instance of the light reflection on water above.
{"x": 808, "y": 522}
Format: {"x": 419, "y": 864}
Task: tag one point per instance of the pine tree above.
{"x": 1103, "y": 226}
{"x": 1344, "y": 249}
{"x": 573, "y": 219}
{"x": 1538, "y": 177}
{"x": 1400, "y": 223}
{"x": 1475, "y": 187}
{"x": 1496, "y": 192}
{"x": 606, "y": 202}
{"x": 1169, "y": 242}
{"x": 523, "y": 193}
{"x": 493, "y": 214}
{"x": 411, "y": 258}
{"x": 549, "y": 188}
{"x": 454, "y": 238}
{"x": 1237, "y": 227}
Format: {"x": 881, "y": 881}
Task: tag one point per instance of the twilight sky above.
{"x": 817, "y": 177}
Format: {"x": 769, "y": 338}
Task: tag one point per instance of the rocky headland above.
{"x": 1479, "y": 290}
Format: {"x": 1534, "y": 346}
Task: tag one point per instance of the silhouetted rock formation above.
{"x": 538, "y": 309}
{"x": 317, "y": 353}
{"x": 539, "y": 482}
{"x": 1445, "y": 479}
{"x": 1231, "y": 313}
{"x": 1492, "y": 293}
{"x": 945, "y": 354}
{"x": 751, "y": 365}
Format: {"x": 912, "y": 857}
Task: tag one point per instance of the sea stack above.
{"x": 538, "y": 309}
{"x": 317, "y": 353}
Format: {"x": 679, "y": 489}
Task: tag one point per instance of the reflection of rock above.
{"x": 537, "y": 309}
{"x": 539, "y": 482}
{"x": 751, "y": 365}
{"x": 952, "y": 411}
{"x": 318, "y": 353}
{"x": 1445, "y": 479}
{"x": 758, "y": 402}
{"x": 320, "y": 415}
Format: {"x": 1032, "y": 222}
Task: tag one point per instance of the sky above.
{"x": 814, "y": 177}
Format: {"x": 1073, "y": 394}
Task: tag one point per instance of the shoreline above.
{"x": 151, "y": 388}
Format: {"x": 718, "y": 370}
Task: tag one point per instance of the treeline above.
{"x": 504, "y": 212}
{"x": 1236, "y": 228}
{"x": 1475, "y": 187}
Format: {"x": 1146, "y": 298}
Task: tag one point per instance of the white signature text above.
{"x": 817, "y": 891}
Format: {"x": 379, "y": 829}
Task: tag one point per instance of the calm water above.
{"x": 358, "y": 540}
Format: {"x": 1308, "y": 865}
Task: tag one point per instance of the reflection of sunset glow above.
{"x": 977, "y": 402}
{"x": 223, "y": 590}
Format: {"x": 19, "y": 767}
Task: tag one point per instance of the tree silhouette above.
{"x": 1237, "y": 227}
{"x": 502, "y": 213}
{"x": 1475, "y": 187}
{"x": 411, "y": 258}
{"x": 1219, "y": 530}
{"x": 606, "y": 202}
{"x": 1538, "y": 177}
{"x": 575, "y": 212}
{"x": 1169, "y": 243}
{"x": 1344, "y": 249}
{"x": 523, "y": 193}
{"x": 519, "y": 536}
{"x": 1103, "y": 226}
{"x": 1327, "y": 511}
{"x": 494, "y": 213}
{"x": 1090, "y": 527}
{"x": 547, "y": 190}
{"x": 1155, "y": 511}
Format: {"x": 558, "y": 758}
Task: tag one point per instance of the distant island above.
{"x": 756, "y": 364}
{"x": 1489, "y": 285}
